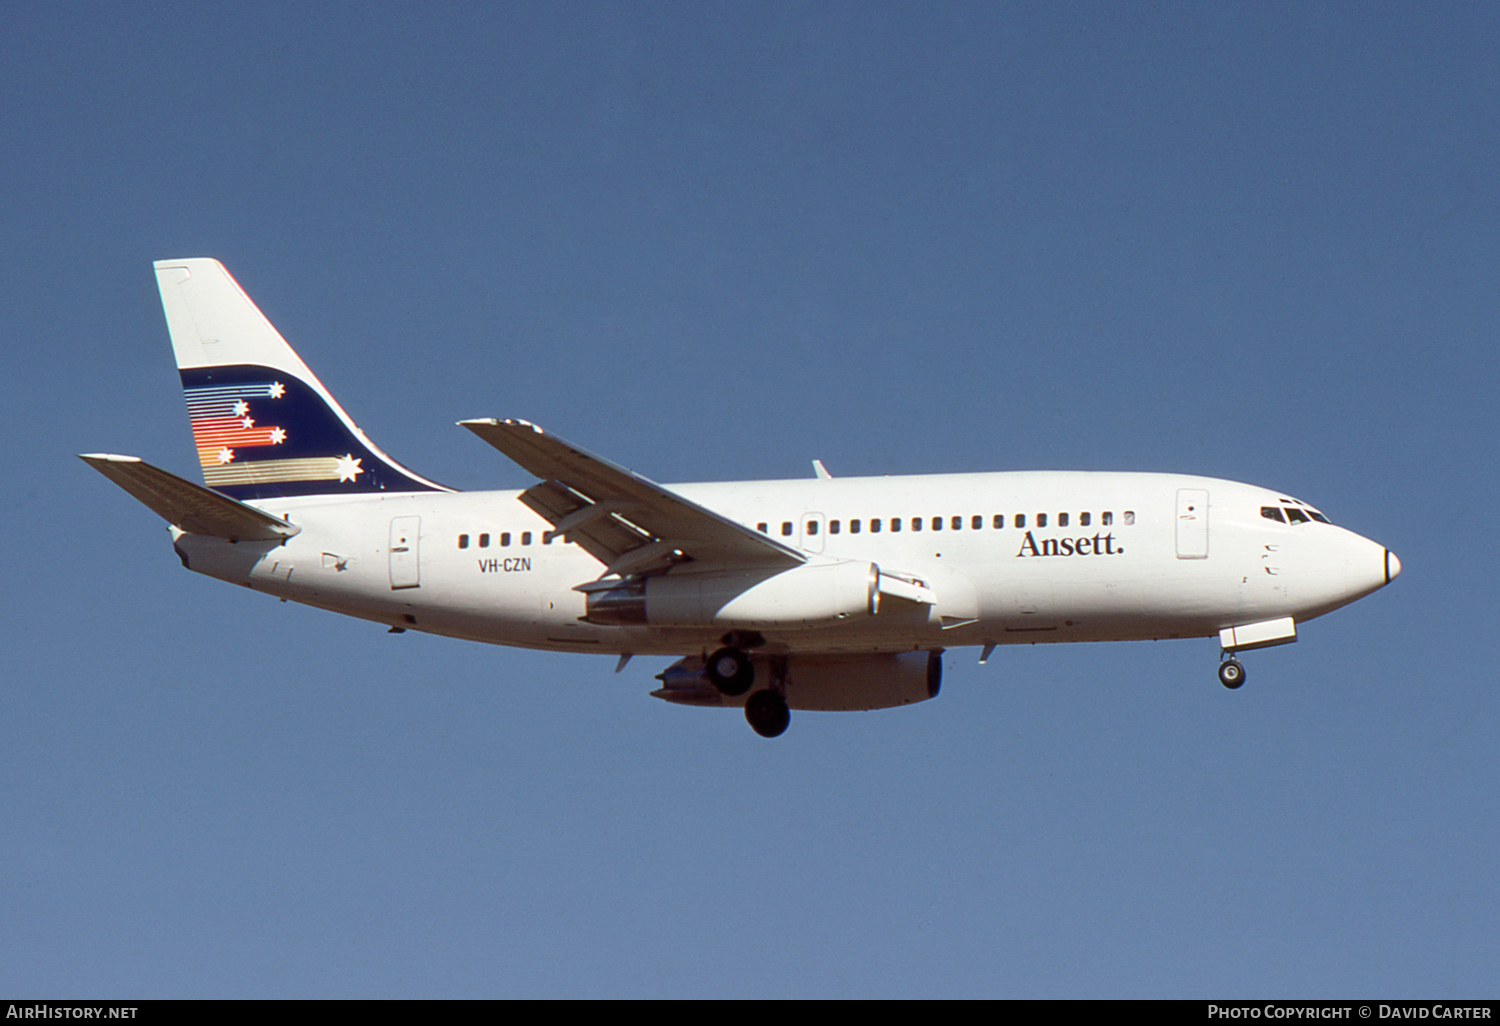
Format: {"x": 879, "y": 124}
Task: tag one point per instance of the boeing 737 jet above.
{"x": 832, "y": 593}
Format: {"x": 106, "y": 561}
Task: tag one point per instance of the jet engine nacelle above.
{"x": 812, "y": 595}
{"x": 826, "y": 683}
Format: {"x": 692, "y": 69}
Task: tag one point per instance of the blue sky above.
{"x": 1254, "y": 241}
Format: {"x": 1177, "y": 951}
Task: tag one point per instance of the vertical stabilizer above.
{"x": 263, "y": 424}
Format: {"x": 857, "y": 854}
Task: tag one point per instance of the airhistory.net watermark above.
{"x": 40, "y": 1010}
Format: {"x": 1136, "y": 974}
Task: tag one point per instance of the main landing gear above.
{"x": 730, "y": 670}
{"x": 767, "y": 713}
{"x": 1231, "y": 673}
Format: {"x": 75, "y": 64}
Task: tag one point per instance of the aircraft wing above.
{"x": 187, "y": 506}
{"x": 630, "y": 524}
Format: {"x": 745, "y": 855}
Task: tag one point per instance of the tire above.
{"x": 767, "y": 714}
{"x": 1231, "y": 673}
{"x": 731, "y": 671}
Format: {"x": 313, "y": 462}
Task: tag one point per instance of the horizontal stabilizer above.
{"x": 187, "y": 506}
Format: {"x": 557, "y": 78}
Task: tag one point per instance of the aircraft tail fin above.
{"x": 263, "y": 423}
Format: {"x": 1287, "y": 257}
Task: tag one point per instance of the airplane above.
{"x": 824, "y": 593}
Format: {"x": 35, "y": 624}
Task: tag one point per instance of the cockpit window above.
{"x": 1293, "y": 514}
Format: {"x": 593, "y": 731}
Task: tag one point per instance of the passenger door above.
{"x": 1192, "y": 523}
{"x": 405, "y": 532}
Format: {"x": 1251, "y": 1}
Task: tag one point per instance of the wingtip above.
{"x": 107, "y": 457}
{"x": 485, "y": 422}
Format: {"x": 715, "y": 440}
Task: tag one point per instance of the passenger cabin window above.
{"x": 916, "y": 523}
{"x": 786, "y": 528}
{"x": 504, "y": 539}
{"x": 762, "y": 528}
{"x": 812, "y": 527}
{"x": 1020, "y": 521}
{"x": 484, "y": 541}
{"x": 977, "y": 522}
{"x": 1106, "y": 518}
{"x": 833, "y": 527}
{"x": 1062, "y": 520}
{"x": 463, "y": 541}
{"x": 1041, "y": 520}
{"x": 854, "y": 526}
{"x": 895, "y": 523}
{"x": 999, "y": 521}
{"x": 957, "y": 523}
{"x": 1129, "y": 517}
{"x": 1272, "y": 513}
{"x": 1083, "y": 520}
{"x": 525, "y": 537}
{"x": 874, "y": 525}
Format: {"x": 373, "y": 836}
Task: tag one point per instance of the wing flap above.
{"x": 634, "y": 512}
{"x": 188, "y": 506}
{"x": 586, "y": 524}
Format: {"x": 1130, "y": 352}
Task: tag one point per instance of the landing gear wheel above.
{"x": 731, "y": 671}
{"x": 767, "y": 713}
{"x": 1231, "y": 674}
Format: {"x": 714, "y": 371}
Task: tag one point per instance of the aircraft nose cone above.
{"x": 1392, "y": 566}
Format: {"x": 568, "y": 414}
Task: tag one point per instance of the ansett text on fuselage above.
{"x": 1098, "y": 545}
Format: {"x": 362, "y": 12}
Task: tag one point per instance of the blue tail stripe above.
{"x": 262, "y": 433}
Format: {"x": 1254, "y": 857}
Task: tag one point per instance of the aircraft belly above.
{"x": 1055, "y": 601}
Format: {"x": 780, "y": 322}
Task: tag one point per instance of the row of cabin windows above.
{"x": 484, "y": 539}
{"x": 975, "y": 522}
{"x": 1292, "y": 515}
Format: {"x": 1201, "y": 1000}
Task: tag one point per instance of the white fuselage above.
{"x": 1077, "y": 557}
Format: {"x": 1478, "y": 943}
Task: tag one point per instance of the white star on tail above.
{"x": 277, "y": 436}
{"x": 348, "y": 467}
{"x": 277, "y": 390}
{"x": 225, "y": 455}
